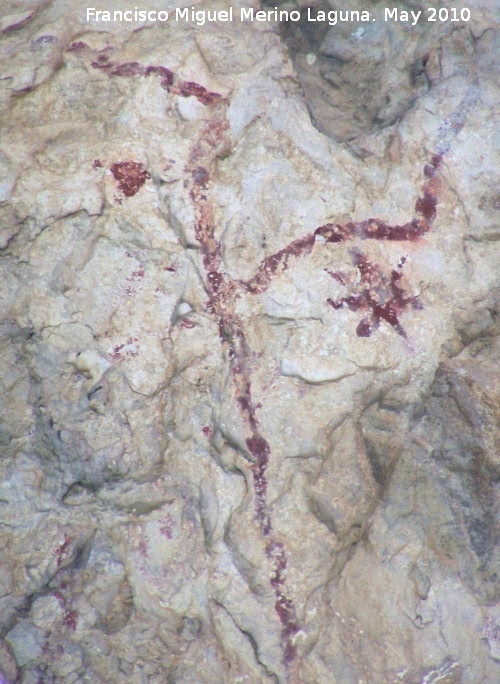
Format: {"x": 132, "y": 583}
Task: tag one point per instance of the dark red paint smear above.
{"x": 130, "y": 176}
{"x": 77, "y": 46}
{"x": 380, "y": 295}
{"x": 426, "y": 205}
{"x": 168, "y": 80}
{"x": 70, "y": 619}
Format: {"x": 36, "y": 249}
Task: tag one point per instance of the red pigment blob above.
{"x": 354, "y": 302}
{"x": 276, "y": 552}
{"x": 187, "y": 323}
{"x": 167, "y": 527}
{"x": 204, "y": 231}
{"x": 426, "y": 205}
{"x": 283, "y": 605}
{"x": 215, "y": 281}
{"x": 386, "y": 312}
{"x": 332, "y": 232}
{"x": 260, "y": 489}
{"x": 118, "y": 355}
{"x": 374, "y": 229}
{"x": 246, "y": 405}
{"x": 284, "y": 608}
{"x": 336, "y": 275}
{"x": 45, "y": 39}
{"x": 116, "y": 352}
{"x": 381, "y": 296}
{"x": 431, "y": 168}
{"x": 125, "y": 69}
{"x": 370, "y": 273}
{"x": 207, "y": 431}
{"x": 200, "y": 177}
{"x": 128, "y": 69}
{"x": 79, "y": 45}
{"x": 190, "y": 89}
{"x": 19, "y": 24}
{"x": 259, "y": 448}
{"x": 102, "y": 62}
{"x": 167, "y": 76}
{"x": 97, "y": 164}
{"x": 269, "y": 266}
{"x": 59, "y": 597}
{"x": 70, "y": 619}
{"x": 130, "y": 175}
{"x": 364, "y": 328}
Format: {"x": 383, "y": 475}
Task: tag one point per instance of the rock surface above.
{"x": 248, "y": 366}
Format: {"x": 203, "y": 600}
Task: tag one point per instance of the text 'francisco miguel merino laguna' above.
{"x": 201, "y": 17}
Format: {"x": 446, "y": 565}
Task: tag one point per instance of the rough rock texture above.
{"x": 249, "y": 371}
